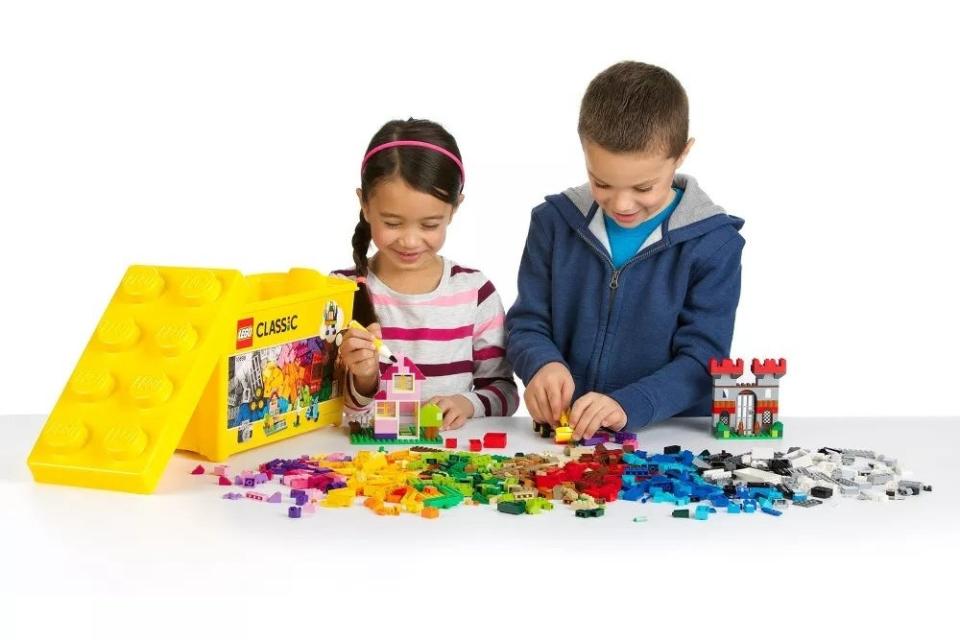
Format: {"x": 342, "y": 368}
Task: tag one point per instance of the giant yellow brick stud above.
{"x": 179, "y": 359}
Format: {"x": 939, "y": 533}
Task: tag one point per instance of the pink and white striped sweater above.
{"x": 454, "y": 334}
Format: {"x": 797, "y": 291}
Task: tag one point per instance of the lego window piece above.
{"x": 403, "y": 383}
{"x": 387, "y": 410}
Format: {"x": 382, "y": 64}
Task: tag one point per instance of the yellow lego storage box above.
{"x": 206, "y": 360}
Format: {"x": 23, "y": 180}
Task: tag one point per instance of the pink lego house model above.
{"x": 398, "y": 401}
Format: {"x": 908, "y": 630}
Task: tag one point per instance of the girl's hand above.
{"x": 456, "y": 410}
{"x": 361, "y": 358}
{"x": 549, "y": 393}
{"x": 594, "y": 410}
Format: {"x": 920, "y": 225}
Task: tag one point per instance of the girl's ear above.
{"x": 456, "y": 206}
{"x": 363, "y": 205}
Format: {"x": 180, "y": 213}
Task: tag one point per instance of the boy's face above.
{"x": 631, "y": 187}
{"x": 407, "y": 226}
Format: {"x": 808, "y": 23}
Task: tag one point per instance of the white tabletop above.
{"x": 67, "y": 541}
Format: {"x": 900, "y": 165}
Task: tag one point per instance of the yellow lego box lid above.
{"x": 138, "y": 382}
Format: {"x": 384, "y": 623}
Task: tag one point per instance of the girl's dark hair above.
{"x": 425, "y": 170}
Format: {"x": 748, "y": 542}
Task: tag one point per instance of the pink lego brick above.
{"x": 198, "y": 470}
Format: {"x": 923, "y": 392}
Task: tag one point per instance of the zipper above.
{"x": 614, "y": 285}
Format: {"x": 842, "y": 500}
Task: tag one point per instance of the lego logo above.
{"x": 244, "y": 333}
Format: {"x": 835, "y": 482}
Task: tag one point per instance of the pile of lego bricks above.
{"x": 423, "y": 480}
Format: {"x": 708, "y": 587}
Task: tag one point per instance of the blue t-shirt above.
{"x": 624, "y": 243}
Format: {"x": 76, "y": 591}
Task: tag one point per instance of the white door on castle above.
{"x": 746, "y": 412}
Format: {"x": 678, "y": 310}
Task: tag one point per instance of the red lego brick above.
{"x": 726, "y": 366}
{"x": 495, "y": 440}
{"x": 450, "y": 443}
{"x": 475, "y": 445}
{"x": 769, "y": 367}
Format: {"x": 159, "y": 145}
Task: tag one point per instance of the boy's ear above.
{"x": 686, "y": 150}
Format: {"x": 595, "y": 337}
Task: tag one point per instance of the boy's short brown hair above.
{"x": 635, "y": 107}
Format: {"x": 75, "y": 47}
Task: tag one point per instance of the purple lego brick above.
{"x": 275, "y": 498}
{"x": 293, "y": 512}
{"x": 232, "y": 496}
{"x": 301, "y": 500}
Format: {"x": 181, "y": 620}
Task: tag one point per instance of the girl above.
{"x": 446, "y": 318}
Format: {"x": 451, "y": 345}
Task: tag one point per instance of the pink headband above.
{"x": 416, "y": 143}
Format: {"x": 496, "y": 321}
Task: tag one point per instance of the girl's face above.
{"x": 408, "y": 227}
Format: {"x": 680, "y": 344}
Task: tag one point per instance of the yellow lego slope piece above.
{"x": 138, "y": 381}
{"x": 154, "y": 376}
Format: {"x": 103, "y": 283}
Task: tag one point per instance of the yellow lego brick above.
{"x": 139, "y": 379}
{"x": 340, "y": 497}
{"x": 154, "y": 375}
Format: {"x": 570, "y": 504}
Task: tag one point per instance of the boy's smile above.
{"x": 631, "y": 187}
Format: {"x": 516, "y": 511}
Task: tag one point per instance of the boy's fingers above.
{"x": 375, "y": 329}
{"x": 530, "y": 400}
{"x": 576, "y": 411}
{"x": 613, "y": 418}
{"x": 585, "y": 409}
{"x": 556, "y": 404}
{"x": 543, "y": 403}
{"x": 566, "y": 390}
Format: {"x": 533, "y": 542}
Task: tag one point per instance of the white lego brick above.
{"x": 758, "y": 475}
{"x": 802, "y": 462}
{"x": 716, "y": 475}
{"x": 762, "y": 453}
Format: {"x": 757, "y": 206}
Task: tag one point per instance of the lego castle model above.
{"x": 747, "y": 410}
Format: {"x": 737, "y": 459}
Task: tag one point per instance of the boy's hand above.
{"x": 361, "y": 359}
{"x": 594, "y": 410}
{"x": 549, "y": 393}
{"x": 456, "y": 410}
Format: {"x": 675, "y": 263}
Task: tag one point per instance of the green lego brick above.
{"x": 722, "y": 432}
{"x": 367, "y": 440}
{"x": 511, "y": 507}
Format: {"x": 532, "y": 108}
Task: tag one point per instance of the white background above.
{"x": 229, "y": 134}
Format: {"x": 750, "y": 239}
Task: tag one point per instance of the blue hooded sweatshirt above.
{"x": 644, "y": 333}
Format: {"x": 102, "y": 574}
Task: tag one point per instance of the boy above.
{"x": 628, "y": 284}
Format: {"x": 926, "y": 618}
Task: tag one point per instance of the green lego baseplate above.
{"x": 722, "y": 432}
{"x": 366, "y": 438}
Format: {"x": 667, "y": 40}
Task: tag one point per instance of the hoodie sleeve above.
{"x": 530, "y": 343}
{"x": 705, "y": 331}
